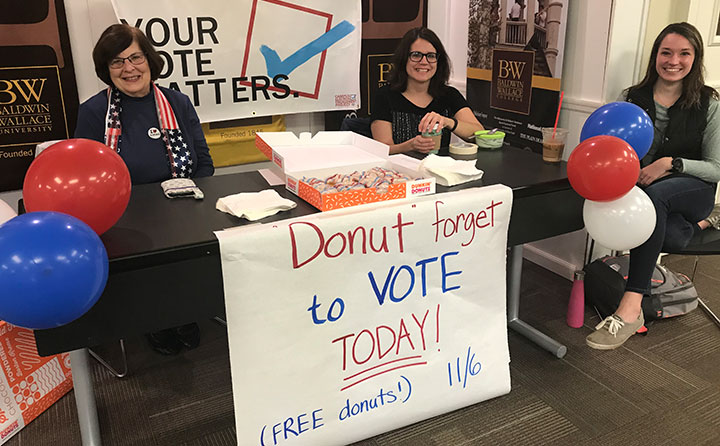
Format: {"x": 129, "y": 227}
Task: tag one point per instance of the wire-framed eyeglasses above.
{"x": 134, "y": 58}
{"x": 416, "y": 56}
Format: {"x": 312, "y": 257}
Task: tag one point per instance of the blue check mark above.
{"x": 276, "y": 66}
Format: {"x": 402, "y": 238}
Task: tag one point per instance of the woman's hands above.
{"x": 431, "y": 119}
{"x": 467, "y": 123}
{"x": 658, "y": 169}
{"x": 466, "y": 127}
{"x": 382, "y": 131}
{"x": 421, "y": 144}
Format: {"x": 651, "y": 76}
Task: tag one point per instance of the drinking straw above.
{"x": 557, "y": 116}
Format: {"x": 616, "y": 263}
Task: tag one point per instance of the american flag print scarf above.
{"x": 178, "y": 154}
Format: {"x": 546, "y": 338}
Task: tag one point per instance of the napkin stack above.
{"x": 448, "y": 171}
{"x": 254, "y": 205}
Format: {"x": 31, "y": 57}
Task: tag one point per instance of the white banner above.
{"x": 249, "y": 58}
{"x": 346, "y": 324}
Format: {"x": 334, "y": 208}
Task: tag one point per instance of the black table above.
{"x": 165, "y": 264}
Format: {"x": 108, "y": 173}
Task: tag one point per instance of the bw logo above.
{"x": 511, "y": 69}
{"x": 28, "y": 89}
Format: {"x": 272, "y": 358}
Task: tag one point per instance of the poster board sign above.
{"x": 38, "y": 93}
{"x": 349, "y": 323}
{"x": 252, "y": 58}
{"x": 515, "y": 54}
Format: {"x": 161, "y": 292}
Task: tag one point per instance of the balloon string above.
{"x": 557, "y": 116}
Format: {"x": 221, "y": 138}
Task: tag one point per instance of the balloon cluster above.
{"x": 604, "y": 169}
{"x": 53, "y": 265}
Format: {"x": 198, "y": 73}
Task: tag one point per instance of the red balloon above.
{"x": 603, "y": 168}
{"x": 82, "y": 178}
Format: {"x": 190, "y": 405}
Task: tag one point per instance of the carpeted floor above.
{"x": 659, "y": 389}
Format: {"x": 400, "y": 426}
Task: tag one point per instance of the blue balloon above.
{"x": 624, "y": 120}
{"x": 53, "y": 268}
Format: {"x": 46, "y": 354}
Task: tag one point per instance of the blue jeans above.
{"x": 680, "y": 201}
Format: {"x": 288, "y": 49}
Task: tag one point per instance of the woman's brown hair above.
{"x": 114, "y": 40}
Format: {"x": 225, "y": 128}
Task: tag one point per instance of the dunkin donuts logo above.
{"x": 277, "y": 159}
{"x": 292, "y": 184}
{"x": 421, "y": 188}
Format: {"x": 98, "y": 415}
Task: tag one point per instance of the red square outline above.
{"x": 248, "y": 40}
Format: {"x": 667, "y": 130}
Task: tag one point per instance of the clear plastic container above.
{"x": 486, "y": 140}
{"x": 436, "y": 136}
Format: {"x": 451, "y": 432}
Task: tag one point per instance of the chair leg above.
{"x": 697, "y": 259}
{"x": 713, "y": 317}
{"x": 110, "y": 368}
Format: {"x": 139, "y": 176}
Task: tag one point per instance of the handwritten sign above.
{"x": 346, "y": 324}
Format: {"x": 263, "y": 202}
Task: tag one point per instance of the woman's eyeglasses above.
{"x": 416, "y": 56}
{"x": 134, "y": 58}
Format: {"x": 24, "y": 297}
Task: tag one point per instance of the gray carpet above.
{"x": 659, "y": 389}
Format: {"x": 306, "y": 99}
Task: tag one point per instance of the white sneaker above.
{"x": 714, "y": 217}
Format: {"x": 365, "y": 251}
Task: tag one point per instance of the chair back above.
{"x": 360, "y": 126}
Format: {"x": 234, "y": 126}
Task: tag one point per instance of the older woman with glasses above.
{"x": 154, "y": 129}
{"x": 418, "y": 99}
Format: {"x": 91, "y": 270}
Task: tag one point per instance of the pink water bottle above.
{"x": 576, "y": 305}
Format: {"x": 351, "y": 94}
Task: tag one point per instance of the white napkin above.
{"x": 44, "y": 145}
{"x": 254, "y": 205}
{"x": 448, "y": 171}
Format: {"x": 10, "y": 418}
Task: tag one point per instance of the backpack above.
{"x": 671, "y": 294}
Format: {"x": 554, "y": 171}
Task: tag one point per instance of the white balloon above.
{"x": 6, "y": 212}
{"x": 621, "y": 224}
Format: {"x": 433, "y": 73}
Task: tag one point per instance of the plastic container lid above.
{"x": 463, "y": 148}
{"x": 487, "y": 140}
{"x": 485, "y": 135}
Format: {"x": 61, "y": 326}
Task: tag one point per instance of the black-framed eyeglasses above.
{"x": 134, "y": 58}
{"x": 416, "y": 56}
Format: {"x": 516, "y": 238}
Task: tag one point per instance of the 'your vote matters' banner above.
{"x": 250, "y": 58}
{"x": 350, "y": 323}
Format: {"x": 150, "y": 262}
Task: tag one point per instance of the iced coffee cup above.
{"x": 436, "y": 136}
{"x": 553, "y": 144}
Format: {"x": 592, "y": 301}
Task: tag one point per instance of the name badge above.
{"x": 154, "y": 133}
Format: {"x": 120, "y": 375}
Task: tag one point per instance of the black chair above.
{"x": 360, "y": 126}
{"x": 705, "y": 243}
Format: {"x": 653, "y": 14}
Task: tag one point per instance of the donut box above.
{"x": 334, "y": 157}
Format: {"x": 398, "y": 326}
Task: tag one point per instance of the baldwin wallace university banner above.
{"x": 515, "y": 50}
{"x": 38, "y": 93}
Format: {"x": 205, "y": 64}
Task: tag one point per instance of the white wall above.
{"x": 660, "y": 14}
{"x": 449, "y": 20}
{"x": 702, "y": 14}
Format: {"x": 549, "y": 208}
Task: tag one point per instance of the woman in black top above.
{"x": 418, "y": 98}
